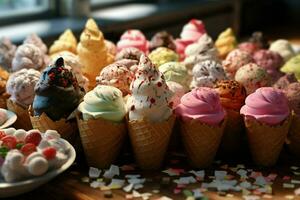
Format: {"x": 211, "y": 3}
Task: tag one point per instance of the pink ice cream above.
{"x": 190, "y": 33}
{"x": 269, "y": 60}
{"x": 267, "y": 105}
{"x": 133, "y": 38}
{"x": 249, "y": 47}
{"x": 201, "y": 104}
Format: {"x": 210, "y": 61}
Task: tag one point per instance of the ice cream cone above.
{"x": 150, "y": 141}
{"x": 102, "y": 140}
{"x": 66, "y": 128}
{"x": 266, "y": 142}
{"x": 201, "y": 141}
{"x": 293, "y": 140}
{"x": 23, "y": 119}
{"x": 232, "y": 139}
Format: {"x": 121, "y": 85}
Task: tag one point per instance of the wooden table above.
{"x": 70, "y": 186}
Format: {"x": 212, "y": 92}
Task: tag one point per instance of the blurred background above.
{"x": 49, "y": 18}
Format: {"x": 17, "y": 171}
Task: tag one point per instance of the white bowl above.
{"x": 17, "y": 188}
{"x": 11, "y": 118}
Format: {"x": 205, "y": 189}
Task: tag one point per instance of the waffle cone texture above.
{"x": 265, "y": 141}
{"x": 150, "y": 141}
{"x": 201, "y": 141}
{"x": 23, "y": 118}
{"x": 101, "y": 140}
{"x": 294, "y": 136}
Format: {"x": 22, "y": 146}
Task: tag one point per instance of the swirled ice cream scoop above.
{"x": 292, "y": 66}
{"x": 162, "y": 39}
{"x": 200, "y": 51}
{"x": 116, "y": 75}
{"x": 65, "y": 42}
{"x": 57, "y": 92}
{"x": 163, "y": 55}
{"x": 234, "y": 60}
{"x": 175, "y": 72}
{"x": 130, "y": 53}
{"x": 133, "y": 38}
{"x": 150, "y": 95}
{"x": 267, "y": 105}
{"x": 103, "y": 102}
{"x": 28, "y": 56}
{"x": 201, "y": 104}
{"x": 177, "y": 90}
{"x": 72, "y": 63}
{"x": 20, "y": 86}
{"x": 7, "y": 52}
{"x": 284, "y": 48}
{"x": 190, "y": 33}
{"x": 37, "y": 41}
{"x": 207, "y": 73}
{"x": 226, "y": 42}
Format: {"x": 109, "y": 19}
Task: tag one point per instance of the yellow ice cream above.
{"x": 163, "y": 55}
{"x": 292, "y": 66}
{"x": 92, "y": 52}
{"x": 226, "y": 42}
{"x": 65, "y": 42}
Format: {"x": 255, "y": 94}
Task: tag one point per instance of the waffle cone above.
{"x": 233, "y": 134}
{"x": 201, "y": 141}
{"x": 23, "y": 119}
{"x": 66, "y": 128}
{"x": 266, "y": 142}
{"x": 294, "y": 135}
{"x": 102, "y": 140}
{"x": 150, "y": 141}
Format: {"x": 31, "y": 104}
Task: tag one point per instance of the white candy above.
{"x": 9, "y": 131}
{"x": 43, "y": 144}
{"x": 32, "y": 156}
{"x": 59, "y": 145}
{"x": 37, "y": 166}
{"x": 51, "y": 134}
{"x": 20, "y": 134}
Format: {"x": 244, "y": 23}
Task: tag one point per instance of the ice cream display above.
{"x": 284, "y": 81}
{"x": 199, "y": 51}
{"x": 207, "y": 73}
{"x": 28, "y": 56}
{"x": 175, "y": 72}
{"x": 177, "y": 90}
{"x": 162, "y": 39}
{"x": 7, "y": 53}
{"x": 163, "y": 55}
{"x": 267, "y": 119}
{"x": 150, "y": 115}
{"x": 31, "y": 154}
{"x": 235, "y": 60}
{"x": 202, "y": 124}
{"x": 292, "y": 66}
{"x": 103, "y": 108}
{"x": 65, "y": 42}
{"x": 133, "y": 38}
{"x": 111, "y": 47}
{"x": 116, "y": 75}
{"x": 37, "y": 41}
{"x": 190, "y": 33}
{"x": 92, "y": 52}
{"x": 226, "y": 42}
{"x": 284, "y": 48}
{"x": 72, "y": 63}
{"x": 251, "y": 76}
{"x": 57, "y": 92}
{"x": 232, "y": 97}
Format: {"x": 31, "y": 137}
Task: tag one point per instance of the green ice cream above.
{"x": 176, "y": 72}
{"x": 103, "y": 102}
{"x": 292, "y": 66}
{"x": 163, "y": 55}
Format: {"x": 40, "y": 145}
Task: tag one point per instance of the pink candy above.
{"x": 133, "y": 38}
